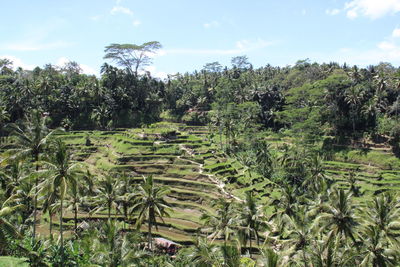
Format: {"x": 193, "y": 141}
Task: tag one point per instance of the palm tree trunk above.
{"x": 61, "y": 231}
{"x": 109, "y": 211}
{"x": 35, "y": 198}
{"x": 304, "y": 258}
{"x": 220, "y": 137}
{"x": 225, "y": 251}
{"x": 250, "y": 246}
{"x": 51, "y": 225}
{"x": 75, "y": 215}
{"x": 149, "y": 232}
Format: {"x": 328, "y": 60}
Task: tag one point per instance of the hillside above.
{"x": 198, "y": 172}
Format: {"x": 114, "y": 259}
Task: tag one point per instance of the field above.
{"x": 190, "y": 162}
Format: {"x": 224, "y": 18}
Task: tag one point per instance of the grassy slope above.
{"x": 186, "y": 174}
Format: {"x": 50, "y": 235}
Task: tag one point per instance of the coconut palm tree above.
{"x": 4, "y": 116}
{"x": 269, "y": 258}
{"x": 106, "y": 196}
{"x": 204, "y": 254}
{"x": 126, "y": 195}
{"x": 250, "y": 220}
{"x": 353, "y": 97}
{"x": 224, "y": 222}
{"x": 77, "y": 192}
{"x": 113, "y": 248}
{"x": 316, "y": 180}
{"x": 22, "y": 195}
{"x": 383, "y": 213}
{"x": 375, "y": 251}
{"x": 150, "y": 204}
{"x": 30, "y": 140}
{"x": 297, "y": 234}
{"x": 338, "y": 216}
{"x": 324, "y": 253}
{"x": 12, "y": 176}
{"x": 6, "y": 228}
{"x": 62, "y": 175}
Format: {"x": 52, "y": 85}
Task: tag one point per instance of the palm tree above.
{"x": 246, "y": 159}
{"x": 50, "y": 204}
{"x": 6, "y": 228}
{"x": 12, "y": 177}
{"x": 232, "y": 256}
{"x": 338, "y": 216}
{"x": 30, "y": 141}
{"x": 375, "y": 251}
{"x": 106, "y": 196}
{"x": 352, "y": 180}
{"x": 269, "y": 258}
{"x": 150, "y": 204}
{"x": 62, "y": 176}
{"x": 324, "y": 253}
{"x": 112, "y": 248}
{"x": 4, "y": 116}
{"x": 22, "y": 195}
{"x": 203, "y": 254}
{"x": 126, "y": 196}
{"x": 353, "y": 97}
{"x": 77, "y": 191}
{"x": 287, "y": 202}
{"x": 316, "y": 180}
{"x": 298, "y": 234}
{"x": 224, "y": 222}
{"x": 383, "y": 213}
{"x": 250, "y": 219}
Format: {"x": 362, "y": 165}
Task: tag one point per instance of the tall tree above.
{"x": 106, "y": 195}
{"x": 30, "y": 140}
{"x": 150, "y": 204}
{"x": 63, "y": 175}
{"x": 131, "y": 56}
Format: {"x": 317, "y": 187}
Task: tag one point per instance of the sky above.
{"x": 193, "y": 33}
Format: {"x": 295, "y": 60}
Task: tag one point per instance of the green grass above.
{"x": 12, "y": 262}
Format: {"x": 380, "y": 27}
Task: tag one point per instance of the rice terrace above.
{"x": 213, "y": 147}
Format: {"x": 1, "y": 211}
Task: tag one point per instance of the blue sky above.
{"x": 193, "y": 33}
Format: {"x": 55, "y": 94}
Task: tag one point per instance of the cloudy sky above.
{"x": 362, "y": 32}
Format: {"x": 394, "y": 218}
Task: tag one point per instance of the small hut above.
{"x": 166, "y": 245}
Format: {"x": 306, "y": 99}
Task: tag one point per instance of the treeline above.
{"x": 310, "y": 99}
{"x": 78, "y": 101}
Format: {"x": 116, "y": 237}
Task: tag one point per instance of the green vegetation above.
{"x": 250, "y": 167}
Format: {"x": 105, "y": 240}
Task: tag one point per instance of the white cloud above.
{"x": 211, "y": 24}
{"x": 241, "y": 46}
{"x": 386, "y": 45}
{"x": 85, "y": 68}
{"x": 96, "y": 17}
{"x": 136, "y": 23}
{"x": 387, "y": 50}
{"x": 155, "y": 73}
{"x": 17, "y": 62}
{"x": 372, "y": 9}
{"x": 303, "y": 12}
{"x": 396, "y": 33}
{"x": 33, "y": 45}
{"x": 120, "y": 9}
{"x": 332, "y": 12}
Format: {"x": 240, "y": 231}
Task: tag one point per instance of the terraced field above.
{"x": 373, "y": 167}
{"x": 191, "y": 164}
{"x": 185, "y": 161}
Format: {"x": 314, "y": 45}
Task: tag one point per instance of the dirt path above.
{"x": 215, "y": 180}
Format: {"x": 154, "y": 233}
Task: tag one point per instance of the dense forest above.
{"x": 284, "y": 200}
{"x": 307, "y": 98}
